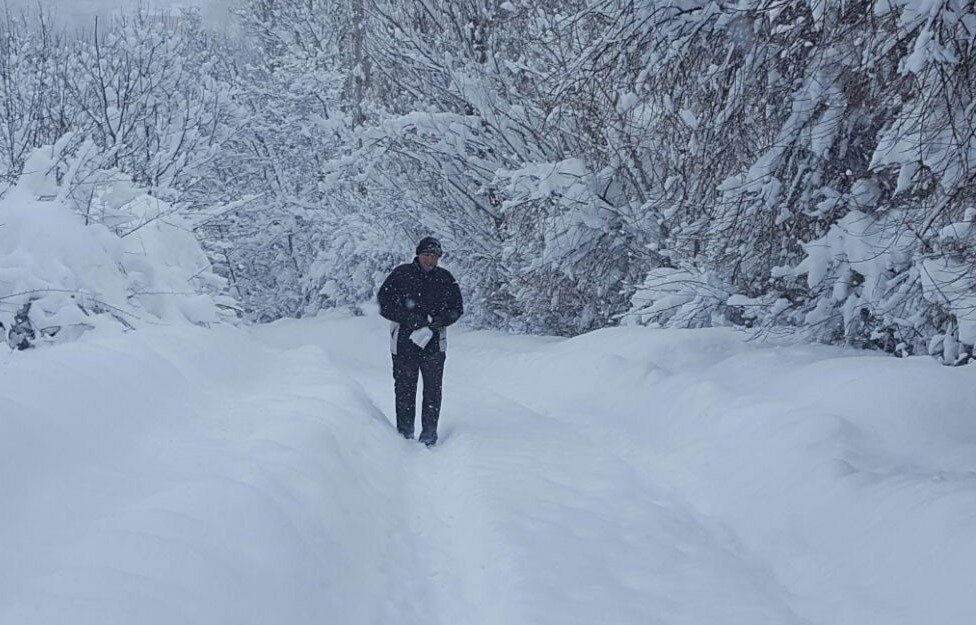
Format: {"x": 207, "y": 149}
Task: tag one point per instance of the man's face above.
{"x": 427, "y": 261}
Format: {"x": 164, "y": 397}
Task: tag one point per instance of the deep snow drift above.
{"x": 631, "y": 476}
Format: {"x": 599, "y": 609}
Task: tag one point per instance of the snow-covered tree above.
{"x": 799, "y": 163}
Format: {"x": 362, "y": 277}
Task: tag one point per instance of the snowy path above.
{"x": 624, "y": 477}
{"x": 518, "y": 512}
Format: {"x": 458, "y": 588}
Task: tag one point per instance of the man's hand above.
{"x": 414, "y": 321}
{"x": 440, "y": 321}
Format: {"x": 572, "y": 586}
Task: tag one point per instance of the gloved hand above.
{"x": 437, "y": 322}
{"x": 414, "y": 321}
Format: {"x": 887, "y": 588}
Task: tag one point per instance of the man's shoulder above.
{"x": 444, "y": 275}
{"x": 397, "y": 276}
{"x": 403, "y": 269}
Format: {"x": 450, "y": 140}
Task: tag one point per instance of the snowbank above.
{"x": 625, "y": 476}
{"x": 176, "y": 478}
{"x": 845, "y": 481}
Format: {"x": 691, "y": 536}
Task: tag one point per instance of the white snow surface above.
{"x": 629, "y": 476}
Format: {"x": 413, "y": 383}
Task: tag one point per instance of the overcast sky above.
{"x": 80, "y": 12}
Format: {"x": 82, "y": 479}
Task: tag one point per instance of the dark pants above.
{"x": 406, "y": 366}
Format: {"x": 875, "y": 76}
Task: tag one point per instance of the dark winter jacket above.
{"x": 413, "y": 298}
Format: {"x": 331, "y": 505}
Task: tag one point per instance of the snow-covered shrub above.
{"x": 679, "y": 298}
{"x": 565, "y": 253}
{"x": 352, "y": 262}
{"x": 63, "y": 272}
{"x": 817, "y": 159}
{"x": 871, "y": 282}
{"x": 33, "y": 89}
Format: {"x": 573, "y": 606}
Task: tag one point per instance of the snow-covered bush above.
{"x": 352, "y": 262}
{"x": 871, "y": 282}
{"x": 130, "y": 260}
{"x": 33, "y": 88}
{"x": 817, "y": 159}
{"x": 679, "y": 298}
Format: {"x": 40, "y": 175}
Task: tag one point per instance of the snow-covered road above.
{"x": 629, "y": 476}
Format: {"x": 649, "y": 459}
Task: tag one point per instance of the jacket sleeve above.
{"x": 454, "y": 306}
{"x": 391, "y": 306}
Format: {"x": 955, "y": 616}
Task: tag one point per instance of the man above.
{"x": 421, "y": 300}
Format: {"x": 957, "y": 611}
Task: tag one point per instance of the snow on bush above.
{"x": 84, "y": 248}
{"x": 349, "y": 267}
{"x": 871, "y": 280}
{"x": 678, "y": 298}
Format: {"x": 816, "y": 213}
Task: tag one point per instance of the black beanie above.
{"x": 429, "y": 245}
